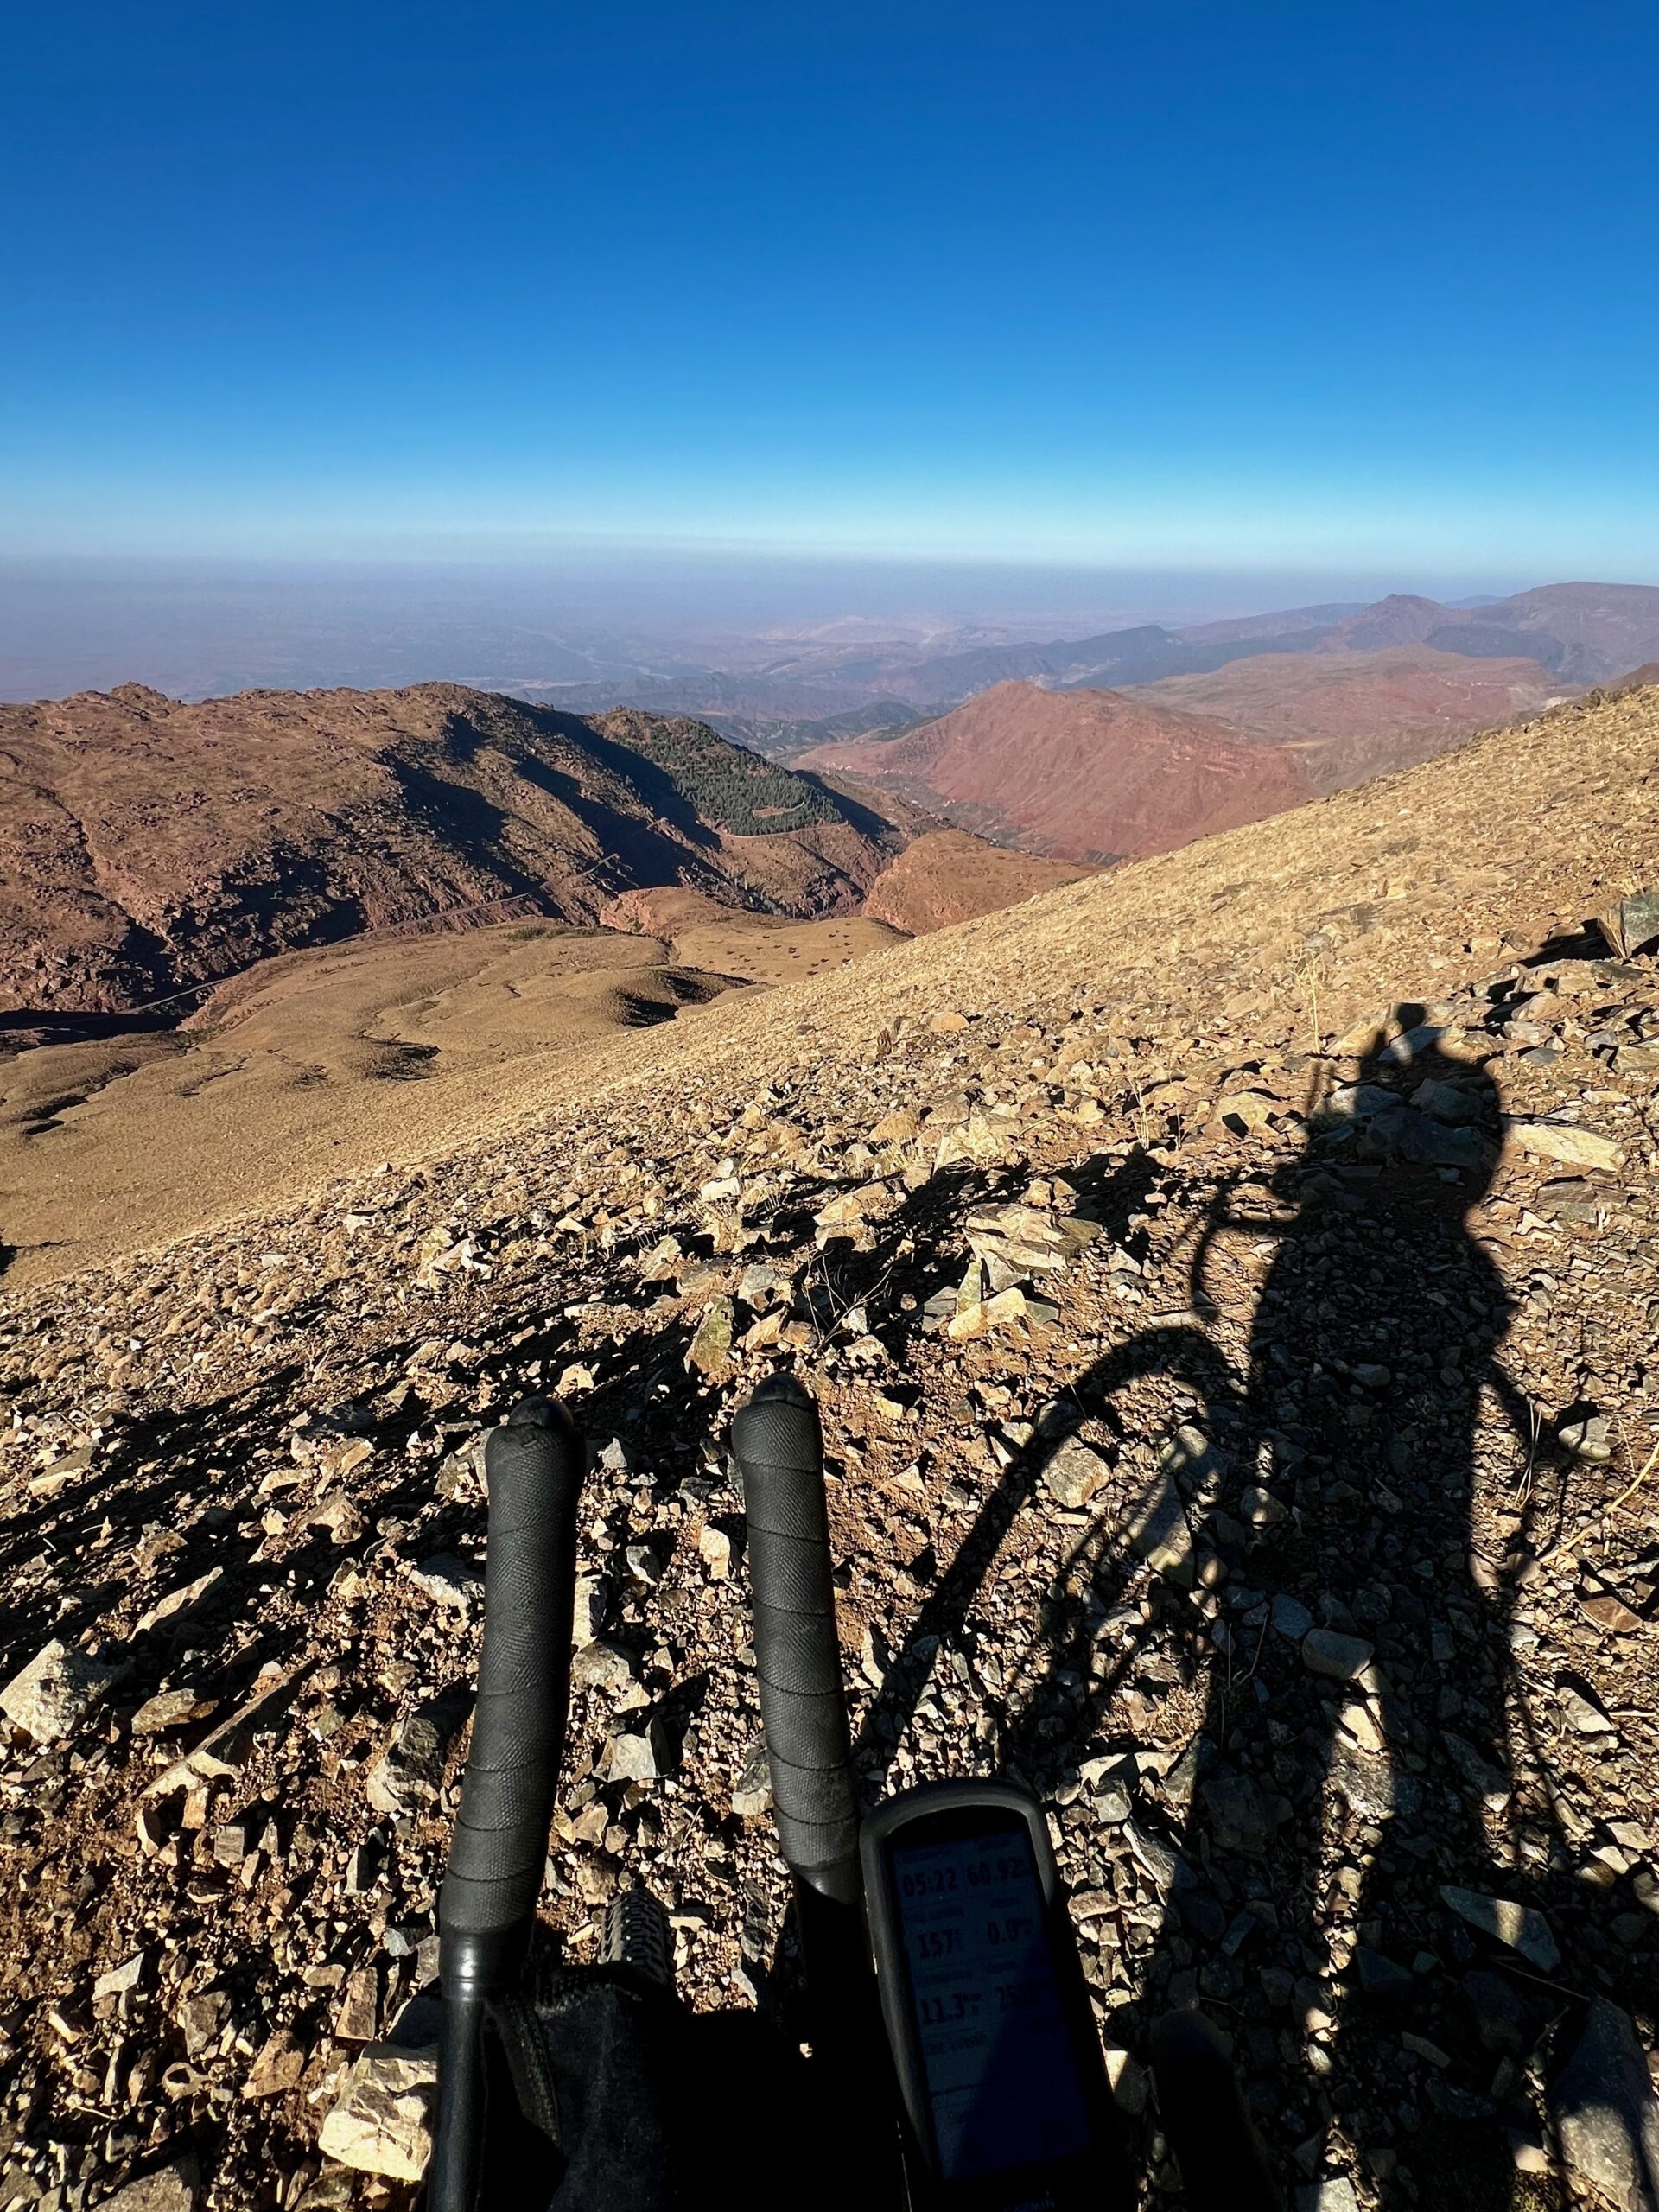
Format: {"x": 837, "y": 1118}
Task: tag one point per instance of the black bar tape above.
{"x": 533, "y": 1468}
{"x": 778, "y": 1448}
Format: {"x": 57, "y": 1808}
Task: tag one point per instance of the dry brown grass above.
{"x": 320, "y": 1063}
{"x": 311, "y": 1064}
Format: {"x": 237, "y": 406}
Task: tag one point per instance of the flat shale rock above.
{"x": 1339, "y": 1658}
{"x": 277, "y": 2067}
{"x": 1158, "y": 1531}
{"x": 1606, "y": 2113}
{"x": 1565, "y": 1141}
{"x": 1518, "y": 1926}
{"x": 169, "y": 2188}
{"x": 1335, "y": 2196}
{"x": 50, "y": 1697}
{"x": 1075, "y": 1473}
{"x": 382, "y": 2120}
{"x": 407, "y": 1773}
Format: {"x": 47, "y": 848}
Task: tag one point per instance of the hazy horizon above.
{"x": 198, "y": 628}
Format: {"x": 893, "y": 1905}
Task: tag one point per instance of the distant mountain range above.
{"x": 1583, "y": 633}
{"x": 1096, "y": 775}
{"x": 146, "y": 845}
{"x": 829, "y": 689}
{"x": 1097, "y": 748}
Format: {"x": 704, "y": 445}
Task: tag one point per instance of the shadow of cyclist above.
{"x": 1351, "y": 1497}
{"x": 1355, "y": 1750}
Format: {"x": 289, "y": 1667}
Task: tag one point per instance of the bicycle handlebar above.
{"x": 486, "y": 1908}
{"x": 778, "y": 1448}
{"x": 533, "y": 1471}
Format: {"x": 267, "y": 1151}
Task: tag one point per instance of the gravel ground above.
{"x": 1230, "y": 1287}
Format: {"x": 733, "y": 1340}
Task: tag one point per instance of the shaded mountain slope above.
{"x": 1400, "y": 619}
{"x": 1111, "y": 661}
{"x": 1290, "y": 622}
{"x": 146, "y": 845}
{"x": 780, "y": 737}
{"x": 1584, "y": 633}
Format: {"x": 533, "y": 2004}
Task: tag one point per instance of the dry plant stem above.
{"x": 1590, "y": 1526}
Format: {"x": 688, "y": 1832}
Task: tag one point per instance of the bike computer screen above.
{"x": 987, "y": 2014}
{"x": 1002, "y": 2083}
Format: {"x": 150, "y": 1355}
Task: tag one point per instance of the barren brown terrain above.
{"x": 945, "y": 876}
{"x": 354, "y": 1055}
{"x": 306, "y": 1066}
{"x": 1081, "y": 775}
{"x": 1228, "y": 1284}
{"x": 146, "y": 845}
{"x": 754, "y": 948}
{"x": 1353, "y": 714}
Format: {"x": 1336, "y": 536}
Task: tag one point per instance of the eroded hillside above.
{"x": 1091, "y": 776}
{"x": 146, "y": 845}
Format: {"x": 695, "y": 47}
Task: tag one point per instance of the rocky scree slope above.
{"x": 1230, "y": 1284}
{"x": 148, "y": 845}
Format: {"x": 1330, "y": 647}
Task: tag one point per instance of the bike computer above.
{"x": 986, "y": 2011}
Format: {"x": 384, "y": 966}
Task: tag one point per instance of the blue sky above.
{"x": 1258, "y": 285}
